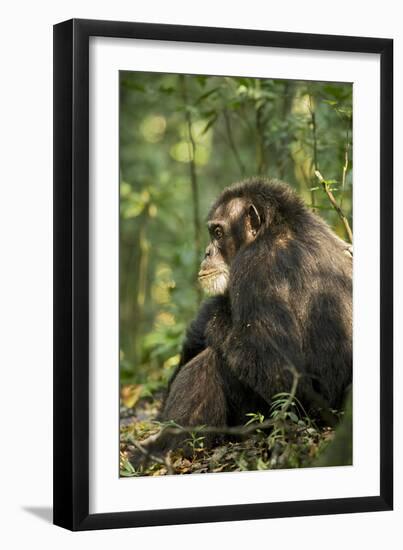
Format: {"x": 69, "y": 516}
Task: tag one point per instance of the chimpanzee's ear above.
{"x": 254, "y": 219}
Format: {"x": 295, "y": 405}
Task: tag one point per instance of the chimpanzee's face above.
{"x": 231, "y": 226}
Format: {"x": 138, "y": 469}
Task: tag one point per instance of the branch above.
{"x": 345, "y": 168}
{"x": 261, "y": 157}
{"x": 217, "y": 430}
{"x": 193, "y": 175}
{"x": 333, "y": 202}
{"x": 232, "y": 142}
{"x": 243, "y": 429}
{"x": 260, "y": 123}
{"x": 315, "y": 145}
{"x": 149, "y": 456}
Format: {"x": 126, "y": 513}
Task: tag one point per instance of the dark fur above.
{"x": 289, "y": 302}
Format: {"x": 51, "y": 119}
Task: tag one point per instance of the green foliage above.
{"x": 195, "y": 442}
{"x": 288, "y": 439}
{"x": 182, "y": 140}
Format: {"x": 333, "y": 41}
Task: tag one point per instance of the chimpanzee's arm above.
{"x": 195, "y": 339}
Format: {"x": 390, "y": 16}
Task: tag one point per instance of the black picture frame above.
{"x": 71, "y": 274}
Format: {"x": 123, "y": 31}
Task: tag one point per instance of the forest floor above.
{"x": 293, "y": 441}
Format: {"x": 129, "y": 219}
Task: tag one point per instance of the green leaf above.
{"x": 293, "y": 417}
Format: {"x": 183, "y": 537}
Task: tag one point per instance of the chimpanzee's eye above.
{"x": 218, "y": 233}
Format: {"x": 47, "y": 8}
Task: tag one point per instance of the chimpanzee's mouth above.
{"x": 207, "y": 273}
{"x": 214, "y": 281}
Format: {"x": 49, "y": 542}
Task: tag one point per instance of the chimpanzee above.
{"x": 281, "y": 282}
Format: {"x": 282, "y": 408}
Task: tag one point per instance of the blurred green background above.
{"x": 182, "y": 140}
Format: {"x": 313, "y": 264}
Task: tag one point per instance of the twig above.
{"x": 164, "y": 462}
{"x": 345, "y": 168}
{"x": 243, "y": 429}
{"x": 333, "y": 202}
{"x": 315, "y": 145}
{"x": 259, "y": 121}
{"x": 261, "y": 157}
{"x": 232, "y": 142}
{"x": 291, "y": 397}
{"x": 314, "y": 130}
{"x": 224, "y": 430}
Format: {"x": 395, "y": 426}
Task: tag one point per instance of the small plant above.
{"x": 286, "y": 438}
{"x": 255, "y": 418}
{"x": 195, "y": 442}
